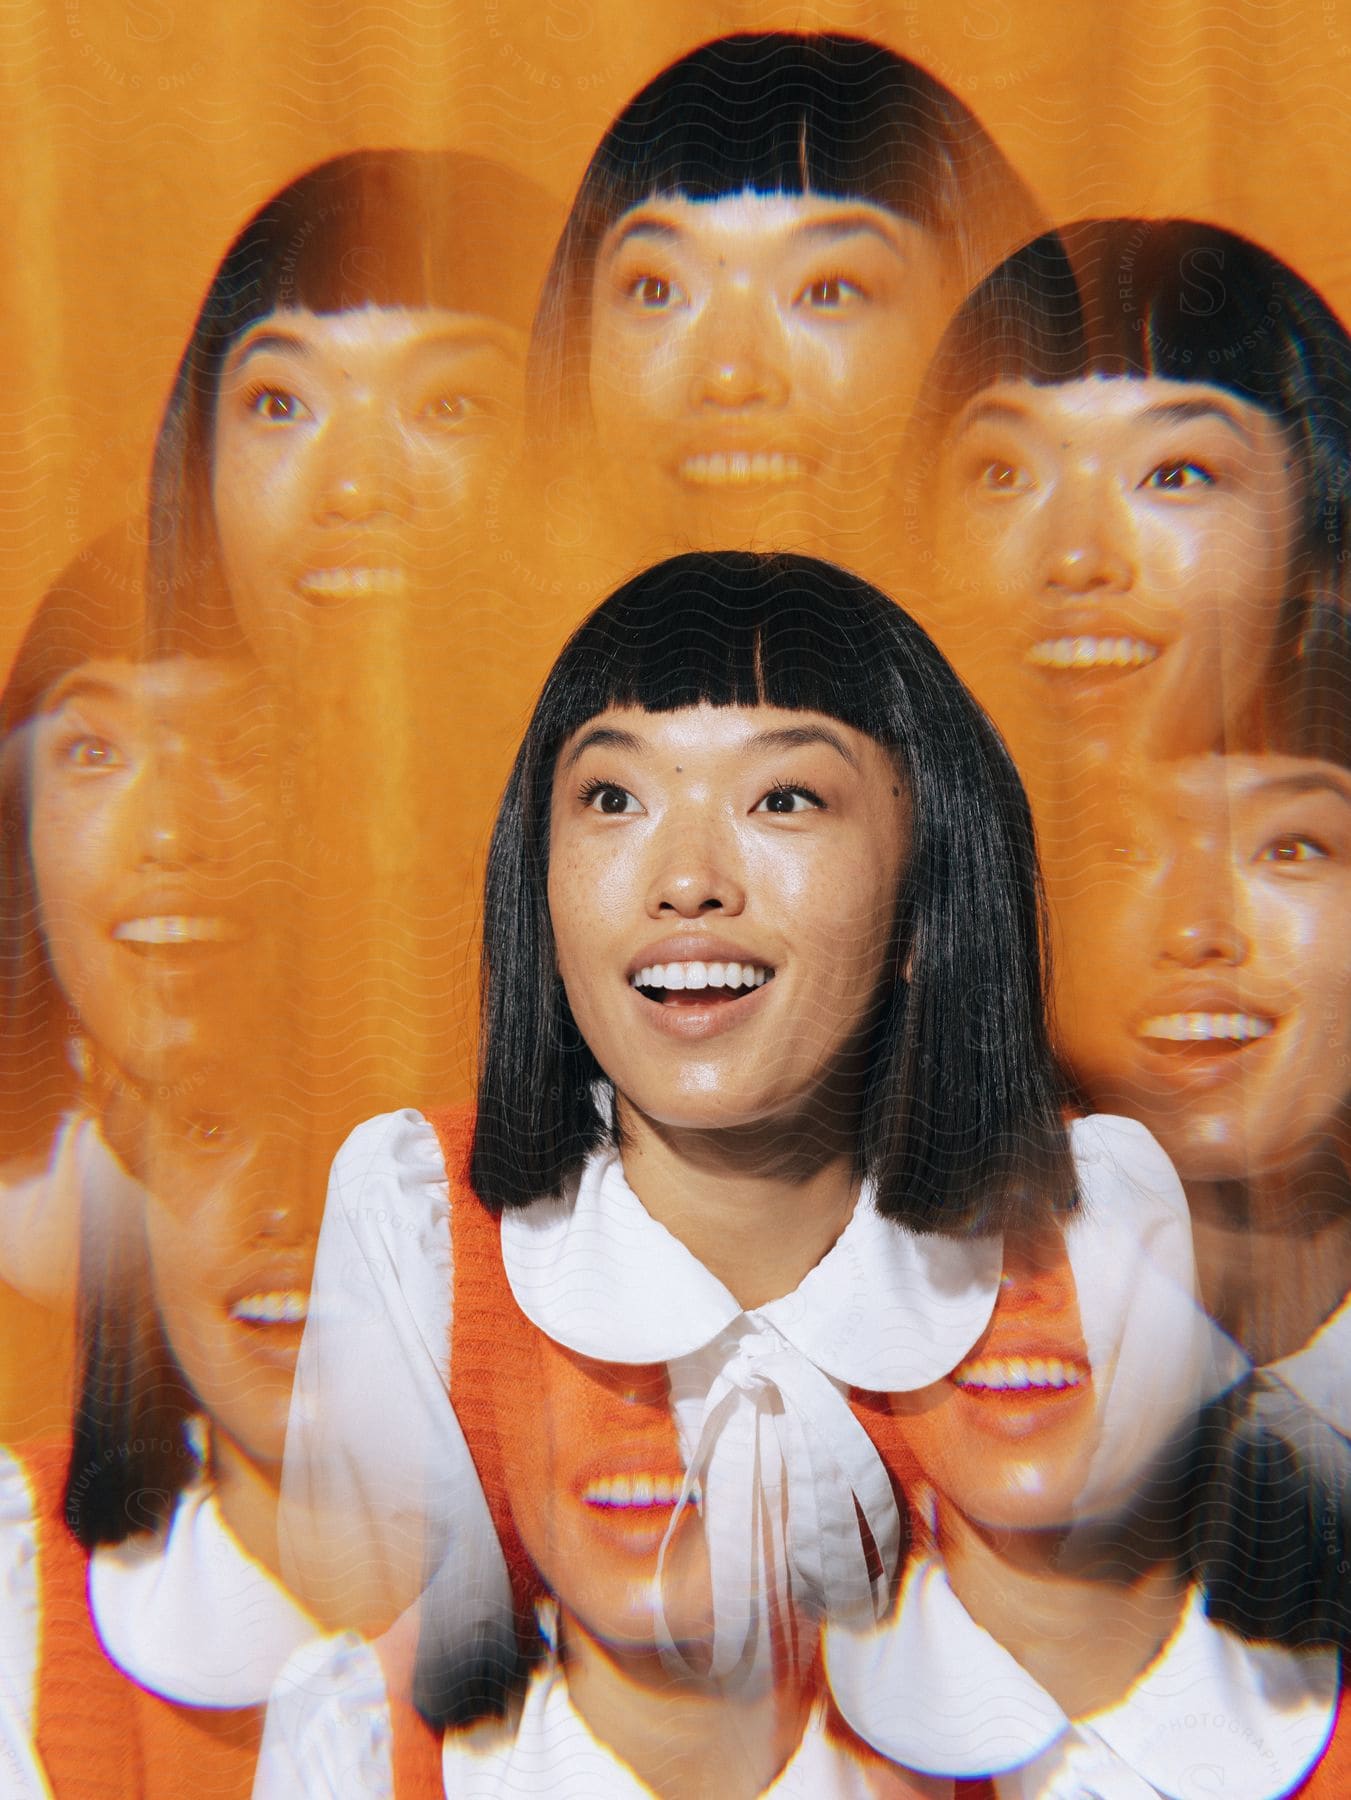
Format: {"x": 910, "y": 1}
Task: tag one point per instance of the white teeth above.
{"x": 636, "y": 1491}
{"x": 741, "y": 468}
{"x": 290, "y": 1307}
{"x": 1013, "y": 1373}
{"x": 353, "y": 584}
{"x": 1092, "y": 653}
{"x": 675, "y": 978}
{"x": 176, "y": 928}
{"x": 1206, "y": 1027}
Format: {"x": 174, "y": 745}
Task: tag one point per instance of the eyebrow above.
{"x": 604, "y": 737}
{"x": 79, "y": 686}
{"x": 474, "y": 335}
{"x": 829, "y": 231}
{"x": 1321, "y": 781}
{"x": 1165, "y": 412}
{"x": 801, "y": 737}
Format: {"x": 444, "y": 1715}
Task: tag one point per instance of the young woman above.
{"x": 1129, "y": 492}
{"x": 764, "y": 1072}
{"x": 1123, "y": 1586}
{"x": 760, "y": 257}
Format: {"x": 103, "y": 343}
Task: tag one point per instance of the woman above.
{"x": 134, "y": 884}
{"x": 1124, "y": 1586}
{"x": 759, "y": 852}
{"x": 760, "y": 257}
{"x": 1133, "y": 454}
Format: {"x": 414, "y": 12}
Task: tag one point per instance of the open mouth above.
{"x": 699, "y": 983}
{"x": 326, "y": 585}
{"x": 277, "y": 1306}
{"x": 636, "y": 1493}
{"x": 175, "y": 929}
{"x": 1211, "y": 1030}
{"x": 741, "y": 469}
{"x": 1020, "y": 1375}
{"x": 1080, "y": 655}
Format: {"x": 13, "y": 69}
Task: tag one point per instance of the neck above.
{"x": 247, "y": 1494}
{"x": 1274, "y": 1254}
{"x": 1084, "y": 1635}
{"x": 759, "y": 1206}
{"x": 685, "y": 1736}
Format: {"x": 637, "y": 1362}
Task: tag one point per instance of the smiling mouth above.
{"x": 699, "y": 983}
{"x": 175, "y": 929}
{"x": 636, "y": 1493}
{"x": 1074, "y": 655}
{"x": 1218, "y": 1029}
{"x": 324, "y": 585}
{"x": 741, "y": 469}
{"x": 1020, "y": 1374}
{"x": 281, "y": 1306}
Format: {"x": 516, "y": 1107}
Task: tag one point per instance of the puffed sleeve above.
{"x": 379, "y": 1492}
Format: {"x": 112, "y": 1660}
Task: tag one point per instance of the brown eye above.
{"x": 90, "y": 752}
{"x": 1178, "y": 477}
{"x": 1001, "y": 477}
{"x": 830, "y": 293}
{"x": 276, "y": 406}
{"x": 654, "y": 292}
{"x": 1292, "y": 849}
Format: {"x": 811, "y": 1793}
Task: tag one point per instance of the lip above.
{"x": 690, "y": 1021}
{"x": 359, "y": 579}
{"x": 639, "y": 1529}
{"x": 277, "y": 1287}
{"x": 1097, "y": 655}
{"x": 1017, "y": 1412}
{"x": 695, "y": 947}
{"x": 741, "y": 469}
{"x": 172, "y": 928}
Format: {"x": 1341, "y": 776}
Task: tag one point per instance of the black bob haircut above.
{"x": 1180, "y": 300}
{"x": 778, "y": 112}
{"x": 962, "y": 1125}
{"x": 392, "y": 228}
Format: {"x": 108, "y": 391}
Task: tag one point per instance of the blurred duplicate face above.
{"x": 754, "y": 362}
{"x": 1206, "y": 963}
{"x": 352, "y": 453}
{"x": 150, "y": 835}
{"x": 594, "y": 1473}
{"x": 1113, "y": 554}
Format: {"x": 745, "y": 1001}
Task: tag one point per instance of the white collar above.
{"x": 550, "y": 1750}
{"x": 884, "y": 1309}
{"x": 188, "y": 1614}
{"x": 1211, "y": 1715}
{"x": 1318, "y": 1372}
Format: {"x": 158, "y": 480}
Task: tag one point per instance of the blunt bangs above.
{"x": 961, "y": 1127}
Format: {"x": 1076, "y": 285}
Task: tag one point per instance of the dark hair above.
{"x": 961, "y": 1120}
{"x": 1180, "y": 300}
{"x": 399, "y": 228}
{"x": 93, "y": 610}
{"x": 130, "y": 1457}
{"x": 777, "y": 112}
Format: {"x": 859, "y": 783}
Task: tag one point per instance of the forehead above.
{"x": 372, "y": 332}
{"x": 1122, "y": 401}
{"x": 748, "y": 224}
{"x": 176, "y": 690}
{"x": 703, "y": 734}
{"x": 1198, "y": 799}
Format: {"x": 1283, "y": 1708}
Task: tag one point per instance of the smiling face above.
{"x": 148, "y": 832}
{"x": 1114, "y": 553}
{"x": 1008, "y": 1438}
{"x": 754, "y": 361}
{"x": 350, "y": 453}
{"x": 1206, "y": 971}
{"x": 723, "y": 885}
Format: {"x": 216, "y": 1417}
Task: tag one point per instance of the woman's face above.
{"x": 351, "y": 453}
{"x": 230, "y": 1227}
{"x": 1007, "y": 1438}
{"x": 594, "y": 1471}
{"x": 1113, "y": 553}
{"x": 149, "y": 831}
{"x": 754, "y": 360}
{"x": 1206, "y": 962}
{"x": 723, "y": 885}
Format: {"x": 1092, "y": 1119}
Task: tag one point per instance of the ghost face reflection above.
{"x": 1114, "y": 552}
{"x": 755, "y": 358}
{"x": 593, "y": 1472}
{"x": 1008, "y": 1437}
{"x": 1206, "y": 967}
{"x": 351, "y": 450}
{"x": 149, "y": 830}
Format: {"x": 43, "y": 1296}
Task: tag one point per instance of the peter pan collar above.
{"x": 884, "y": 1309}
{"x": 188, "y": 1614}
{"x": 1211, "y": 1715}
{"x": 1318, "y": 1372}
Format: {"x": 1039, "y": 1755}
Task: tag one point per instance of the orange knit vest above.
{"x": 99, "y": 1735}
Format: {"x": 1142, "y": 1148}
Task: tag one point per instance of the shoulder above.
{"x": 389, "y": 1183}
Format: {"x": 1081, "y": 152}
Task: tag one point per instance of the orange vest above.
{"x": 100, "y": 1736}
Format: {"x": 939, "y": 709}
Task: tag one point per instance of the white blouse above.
{"x": 328, "y": 1738}
{"x": 1210, "y": 1716}
{"x": 378, "y": 1474}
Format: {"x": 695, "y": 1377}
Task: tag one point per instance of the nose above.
{"x": 1091, "y": 538}
{"x": 172, "y": 827}
{"x": 363, "y": 470}
{"x": 1200, "y": 924}
{"x": 1037, "y": 1277}
{"x": 741, "y": 361}
{"x": 696, "y": 875}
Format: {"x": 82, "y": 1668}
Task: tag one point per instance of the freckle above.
{"x": 679, "y": 769}
{"x": 895, "y": 793}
